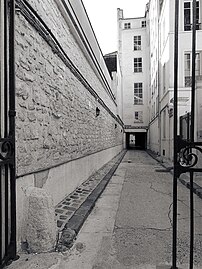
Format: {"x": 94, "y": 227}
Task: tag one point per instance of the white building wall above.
{"x": 129, "y": 77}
{"x": 119, "y": 88}
{"x": 153, "y": 139}
{"x": 160, "y": 66}
{"x": 154, "y": 77}
{"x": 166, "y": 60}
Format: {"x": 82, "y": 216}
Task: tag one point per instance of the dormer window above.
{"x": 144, "y": 24}
{"x": 127, "y": 25}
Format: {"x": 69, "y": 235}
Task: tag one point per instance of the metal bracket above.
{"x": 187, "y": 156}
{"x": 6, "y": 150}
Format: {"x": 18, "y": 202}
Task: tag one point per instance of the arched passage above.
{"x": 136, "y": 140}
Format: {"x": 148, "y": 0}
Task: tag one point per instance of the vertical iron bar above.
{"x": 193, "y": 71}
{"x": 1, "y": 49}
{"x": 192, "y": 132}
{"x": 6, "y": 121}
{"x": 1, "y": 7}
{"x": 1, "y": 247}
{"x": 191, "y": 255}
{"x": 188, "y": 133}
{"x": 5, "y": 69}
{"x": 12, "y": 125}
{"x": 6, "y": 209}
{"x": 174, "y": 243}
{"x": 188, "y": 127}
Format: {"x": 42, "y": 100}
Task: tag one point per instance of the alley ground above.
{"x": 130, "y": 226}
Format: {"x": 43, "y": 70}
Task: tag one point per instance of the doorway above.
{"x": 137, "y": 140}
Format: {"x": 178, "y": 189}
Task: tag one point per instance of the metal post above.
{"x": 6, "y": 191}
{"x": 175, "y": 176}
{"x": 1, "y": 246}
{"x": 12, "y": 124}
{"x": 192, "y": 132}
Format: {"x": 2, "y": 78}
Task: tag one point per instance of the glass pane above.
{"x": 187, "y": 17}
{"x": 197, "y": 15}
{"x": 187, "y": 5}
{"x": 197, "y": 68}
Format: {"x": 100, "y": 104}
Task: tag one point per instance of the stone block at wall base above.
{"x": 41, "y": 231}
{"x": 59, "y": 181}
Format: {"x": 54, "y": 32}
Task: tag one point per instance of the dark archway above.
{"x": 137, "y": 140}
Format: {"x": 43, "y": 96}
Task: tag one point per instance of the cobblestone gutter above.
{"x": 75, "y": 208}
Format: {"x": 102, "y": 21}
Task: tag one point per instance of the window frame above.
{"x": 137, "y": 65}
{"x": 137, "y": 42}
{"x": 139, "y": 117}
{"x": 127, "y": 25}
{"x": 188, "y": 26}
{"x": 188, "y": 62}
{"x": 164, "y": 124}
{"x": 164, "y": 78}
{"x": 138, "y": 93}
{"x": 143, "y": 24}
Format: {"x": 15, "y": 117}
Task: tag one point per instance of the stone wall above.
{"x": 56, "y": 97}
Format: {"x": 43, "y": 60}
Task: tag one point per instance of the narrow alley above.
{"x": 131, "y": 224}
{"x": 87, "y": 136}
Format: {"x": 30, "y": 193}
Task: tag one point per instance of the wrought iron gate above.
{"x": 7, "y": 134}
{"x": 185, "y": 150}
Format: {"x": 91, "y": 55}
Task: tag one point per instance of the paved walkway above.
{"x": 67, "y": 209}
{"x": 184, "y": 178}
{"x": 131, "y": 224}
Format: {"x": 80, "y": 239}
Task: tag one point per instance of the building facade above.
{"x": 166, "y": 66}
{"x": 153, "y": 100}
{"x": 160, "y": 65}
{"x": 133, "y": 58}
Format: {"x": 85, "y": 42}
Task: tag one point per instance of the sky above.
{"x": 103, "y": 17}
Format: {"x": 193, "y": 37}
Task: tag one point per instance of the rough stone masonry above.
{"x": 55, "y": 113}
{"x": 57, "y": 93}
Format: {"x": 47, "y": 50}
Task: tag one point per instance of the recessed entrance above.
{"x": 137, "y": 140}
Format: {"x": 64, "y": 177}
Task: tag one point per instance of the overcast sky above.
{"x": 103, "y": 17}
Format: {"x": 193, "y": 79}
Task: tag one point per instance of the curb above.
{"x": 196, "y": 188}
{"x": 75, "y": 223}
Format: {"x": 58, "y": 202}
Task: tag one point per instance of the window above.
{"x": 137, "y": 42}
{"x": 138, "y": 116}
{"x": 197, "y": 16}
{"x": 164, "y": 78}
{"x": 144, "y": 24}
{"x": 187, "y": 67}
{"x": 138, "y": 95}
{"x": 164, "y": 123}
{"x": 188, "y": 16}
{"x": 127, "y": 25}
{"x": 157, "y": 105}
{"x": 197, "y": 63}
{"x": 137, "y": 65}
